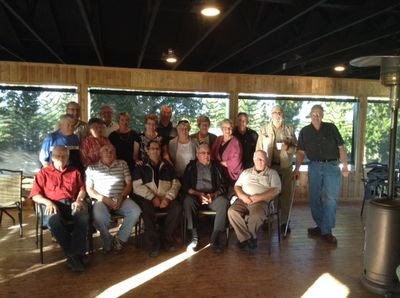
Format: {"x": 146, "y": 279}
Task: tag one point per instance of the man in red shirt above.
{"x": 61, "y": 192}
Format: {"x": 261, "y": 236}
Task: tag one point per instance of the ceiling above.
{"x": 275, "y": 37}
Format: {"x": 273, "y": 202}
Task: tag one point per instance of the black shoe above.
{"x": 315, "y": 232}
{"x": 194, "y": 244}
{"x": 329, "y": 238}
{"x": 252, "y": 243}
{"x": 74, "y": 263}
{"x": 169, "y": 247}
{"x": 242, "y": 245}
{"x": 217, "y": 248}
{"x": 283, "y": 228}
{"x": 154, "y": 253}
{"x": 84, "y": 259}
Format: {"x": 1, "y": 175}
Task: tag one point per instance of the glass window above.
{"x": 377, "y": 131}
{"x": 339, "y": 110}
{"x": 27, "y": 115}
{"x": 184, "y": 105}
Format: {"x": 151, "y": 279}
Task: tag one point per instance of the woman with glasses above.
{"x": 227, "y": 150}
{"x": 182, "y": 148}
{"x": 203, "y": 136}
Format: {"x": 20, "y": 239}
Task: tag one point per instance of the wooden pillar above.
{"x": 360, "y": 151}
{"x": 233, "y": 105}
{"x": 83, "y": 99}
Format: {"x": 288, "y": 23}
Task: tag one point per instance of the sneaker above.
{"x": 74, "y": 263}
{"x": 193, "y": 245}
{"x": 329, "y": 238}
{"x": 315, "y": 232}
{"x": 117, "y": 245}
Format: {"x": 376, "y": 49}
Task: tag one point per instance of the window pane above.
{"x": 186, "y": 106}
{"x": 338, "y": 111}
{"x": 26, "y": 117}
{"x": 377, "y": 132}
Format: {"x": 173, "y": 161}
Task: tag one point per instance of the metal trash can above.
{"x": 382, "y": 246}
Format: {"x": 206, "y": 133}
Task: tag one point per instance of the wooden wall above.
{"x": 85, "y": 77}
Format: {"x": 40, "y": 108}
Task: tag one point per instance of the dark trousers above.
{"x": 69, "y": 228}
{"x": 192, "y": 205}
{"x": 174, "y": 211}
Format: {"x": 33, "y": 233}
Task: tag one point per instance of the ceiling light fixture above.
{"x": 170, "y": 57}
{"x": 339, "y": 68}
{"x": 210, "y": 9}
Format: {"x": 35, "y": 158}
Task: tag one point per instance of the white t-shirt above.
{"x": 184, "y": 154}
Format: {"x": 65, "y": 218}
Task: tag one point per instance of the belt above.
{"x": 324, "y": 160}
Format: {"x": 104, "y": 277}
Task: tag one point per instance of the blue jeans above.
{"x": 69, "y": 228}
{"x": 102, "y": 220}
{"x": 323, "y": 188}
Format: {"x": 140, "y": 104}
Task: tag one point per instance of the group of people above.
{"x": 169, "y": 170}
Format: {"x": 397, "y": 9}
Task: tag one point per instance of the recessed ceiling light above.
{"x": 210, "y": 9}
{"x": 339, "y": 68}
{"x": 170, "y": 57}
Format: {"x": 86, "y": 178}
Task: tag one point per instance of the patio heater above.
{"x": 382, "y": 226}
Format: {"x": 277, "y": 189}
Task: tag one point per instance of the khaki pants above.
{"x": 286, "y": 191}
{"x": 246, "y": 220}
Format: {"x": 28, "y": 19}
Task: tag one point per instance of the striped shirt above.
{"x": 108, "y": 181}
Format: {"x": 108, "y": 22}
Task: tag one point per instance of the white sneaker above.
{"x": 117, "y": 245}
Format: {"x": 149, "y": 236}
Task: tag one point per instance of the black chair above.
{"x": 202, "y": 212}
{"x": 273, "y": 209}
{"x": 11, "y": 195}
{"x": 115, "y": 218}
{"x": 375, "y": 177}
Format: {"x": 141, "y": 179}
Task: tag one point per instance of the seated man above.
{"x": 203, "y": 186}
{"x": 156, "y": 185}
{"x": 61, "y": 190}
{"x": 254, "y": 188}
{"x": 109, "y": 183}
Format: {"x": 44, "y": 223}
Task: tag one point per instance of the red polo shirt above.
{"x": 55, "y": 185}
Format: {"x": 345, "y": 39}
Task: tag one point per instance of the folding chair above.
{"x": 11, "y": 195}
{"x": 273, "y": 209}
{"x": 375, "y": 177}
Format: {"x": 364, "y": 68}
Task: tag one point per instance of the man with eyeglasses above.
{"x": 203, "y": 186}
{"x": 278, "y": 140}
{"x": 106, "y": 114}
{"x": 324, "y": 147}
{"x": 157, "y": 187}
{"x": 80, "y": 128}
{"x": 165, "y": 129}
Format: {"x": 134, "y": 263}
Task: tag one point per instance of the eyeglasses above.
{"x": 277, "y": 113}
{"x": 183, "y": 121}
{"x": 154, "y": 148}
{"x": 204, "y": 153}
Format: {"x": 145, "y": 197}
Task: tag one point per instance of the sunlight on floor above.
{"x": 33, "y": 269}
{"x": 142, "y": 277}
{"x": 327, "y": 286}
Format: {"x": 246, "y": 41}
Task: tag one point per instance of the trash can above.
{"x": 382, "y": 246}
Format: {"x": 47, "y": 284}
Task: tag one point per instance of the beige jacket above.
{"x": 266, "y": 142}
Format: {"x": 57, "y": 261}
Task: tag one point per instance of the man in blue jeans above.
{"x": 60, "y": 191}
{"x": 109, "y": 183}
{"x": 324, "y": 147}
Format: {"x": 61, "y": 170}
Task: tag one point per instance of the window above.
{"x": 27, "y": 115}
{"x": 339, "y": 110}
{"x": 377, "y": 131}
{"x": 184, "y": 105}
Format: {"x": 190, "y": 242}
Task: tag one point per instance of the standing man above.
{"x": 247, "y": 137}
{"x": 106, "y": 114}
{"x": 203, "y": 186}
{"x": 278, "y": 140}
{"x": 157, "y": 186}
{"x": 324, "y": 146}
{"x": 80, "y": 127}
{"x": 64, "y": 136}
{"x": 60, "y": 189}
{"x": 255, "y": 187}
{"x": 109, "y": 183}
{"x": 165, "y": 128}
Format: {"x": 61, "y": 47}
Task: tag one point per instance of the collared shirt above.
{"x": 55, "y": 185}
{"x": 166, "y": 132}
{"x": 108, "y": 181}
{"x": 248, "y": 141}
{"x": 322, "y": 144}
{"x": 107, "y": 129}
{"x": 90, "y": 149}
{"x": 253, "y": 182}
{"x": 204, "y": 182}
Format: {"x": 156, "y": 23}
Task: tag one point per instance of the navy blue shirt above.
{"x": 320, "y": 144}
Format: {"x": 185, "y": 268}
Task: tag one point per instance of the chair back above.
{"x": 10, "y": 188}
